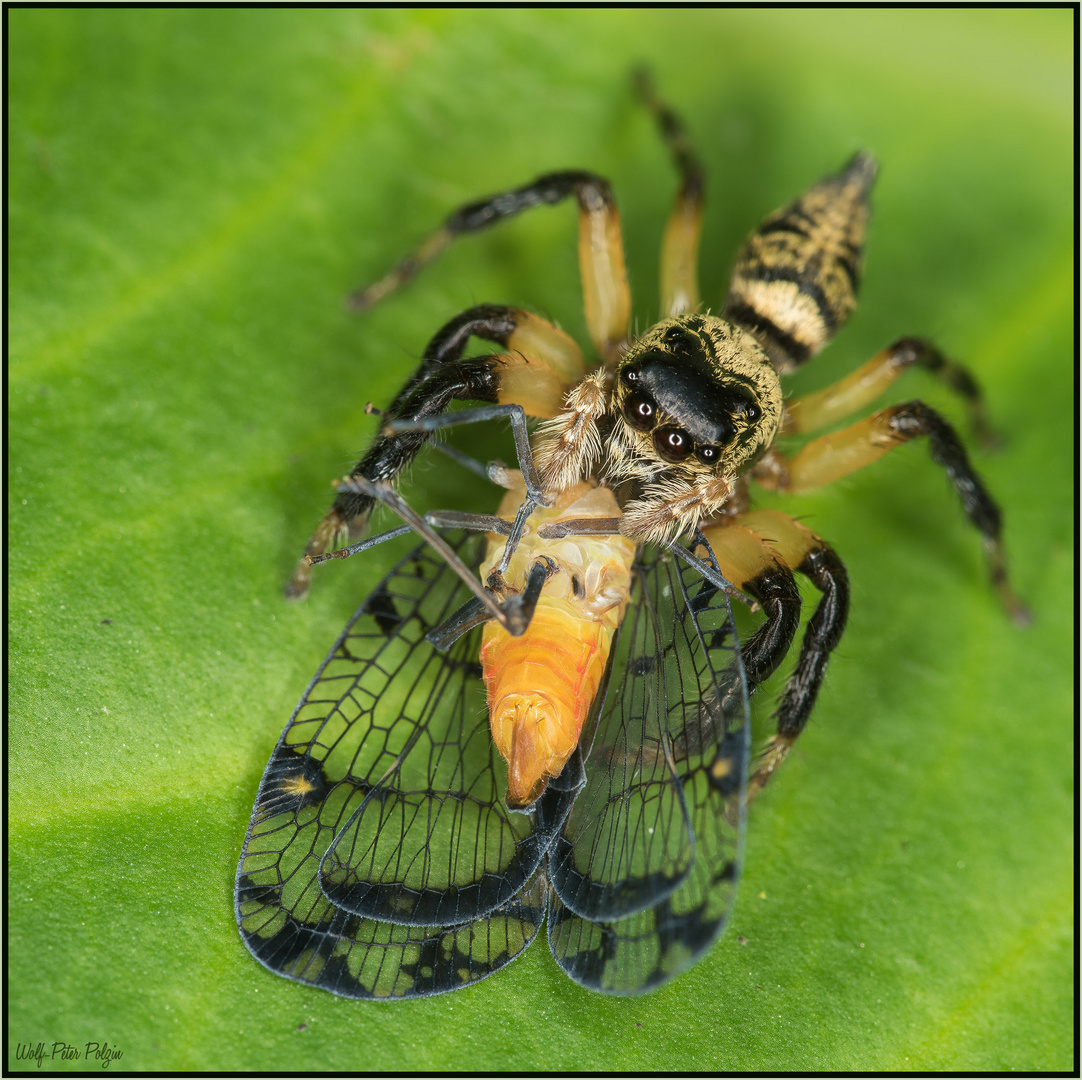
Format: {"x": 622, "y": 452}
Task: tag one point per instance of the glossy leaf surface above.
{"x": 192, "y": 193}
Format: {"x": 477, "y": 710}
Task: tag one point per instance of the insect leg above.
{"x": 474, "y": 612}
{"x": 795, "y": 280}
{"x": 535, "y": 495}
{"x": 813, "y": 411}
{"x": 606, "y": 294}
{"x": 808, "y": 554}
{"x": 455, "y": 519}
{"x": 543, "y": 364}
{"x": 470, "y": 464}
{"x": 680, "y": 246}
{"x": 360, "y": 545}
{"x": 830, "y": 457}
{"x": 440, "y": 519}
{"x": 591, "y": 526}
{"x": 514, "y": 614}
{"x": 512, "y": 412}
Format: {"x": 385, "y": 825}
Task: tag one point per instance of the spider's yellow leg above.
{"x": 539, "y": 367}
{"x": 811, "y": 556}
{"x": 857, "y": 390}
{"x": 830, "y": 457}
{"x": 606, "y": 295}
{"x": 542, "y": 364}
{"x": 680, "y": 245}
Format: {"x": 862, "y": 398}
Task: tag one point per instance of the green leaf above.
{"x": 192, "y": 193}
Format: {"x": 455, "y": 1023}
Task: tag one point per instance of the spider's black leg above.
{"x": 542, "y": 362}
{"x": 811, "y": 556}
{"x": 751, "y": 566}
{"x": 830, "y": 457}
{"x": 476, "y": 379}
{"x": 601, "y": 255}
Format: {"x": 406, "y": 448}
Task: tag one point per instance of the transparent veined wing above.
{"x": 644, "y": 872}
{"x": 381, "y": 859}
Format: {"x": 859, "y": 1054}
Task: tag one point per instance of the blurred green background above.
{"x": 193, "y": 192}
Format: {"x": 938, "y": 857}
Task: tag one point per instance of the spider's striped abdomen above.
{"x": 541, "y": 684}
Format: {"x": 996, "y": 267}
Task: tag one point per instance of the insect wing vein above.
{"x": 386, "y": 775}
{"x": 705, "y": 726}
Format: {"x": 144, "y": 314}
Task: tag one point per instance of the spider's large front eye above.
{"x": 640, "y": 410}
{"x": 672, "y": 443}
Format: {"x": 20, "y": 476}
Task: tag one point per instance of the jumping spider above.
{"x": 680, "y": 420}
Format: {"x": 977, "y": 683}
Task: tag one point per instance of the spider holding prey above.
{"x": 566, "y": 733}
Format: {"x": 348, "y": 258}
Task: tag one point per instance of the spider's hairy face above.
{"x": 695, "y": 394}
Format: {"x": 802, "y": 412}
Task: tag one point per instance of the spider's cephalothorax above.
{"x": 679, "y": 420}
{"x": 694, "y": 403}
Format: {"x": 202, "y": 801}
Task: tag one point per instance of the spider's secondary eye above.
{"x": 630, "y": 375}
{"x": 639, "y": 410}
{"x": 672, "y": 444}
{"x": 752, "y": 412}
{"x": 708, "y": 455}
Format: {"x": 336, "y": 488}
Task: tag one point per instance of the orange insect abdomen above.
{"x": 540, "y": 688}
{"x": 541, "y": 685}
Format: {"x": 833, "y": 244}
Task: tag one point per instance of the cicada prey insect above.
{"x": 414, "y": 827}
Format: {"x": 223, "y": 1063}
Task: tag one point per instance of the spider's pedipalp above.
{"x": 569, "y": 445}
{"x": 674, "y": 506}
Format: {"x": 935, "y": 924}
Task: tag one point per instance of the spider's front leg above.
{"x": 606, "y": 296}
{"x": 541, "y": 364}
